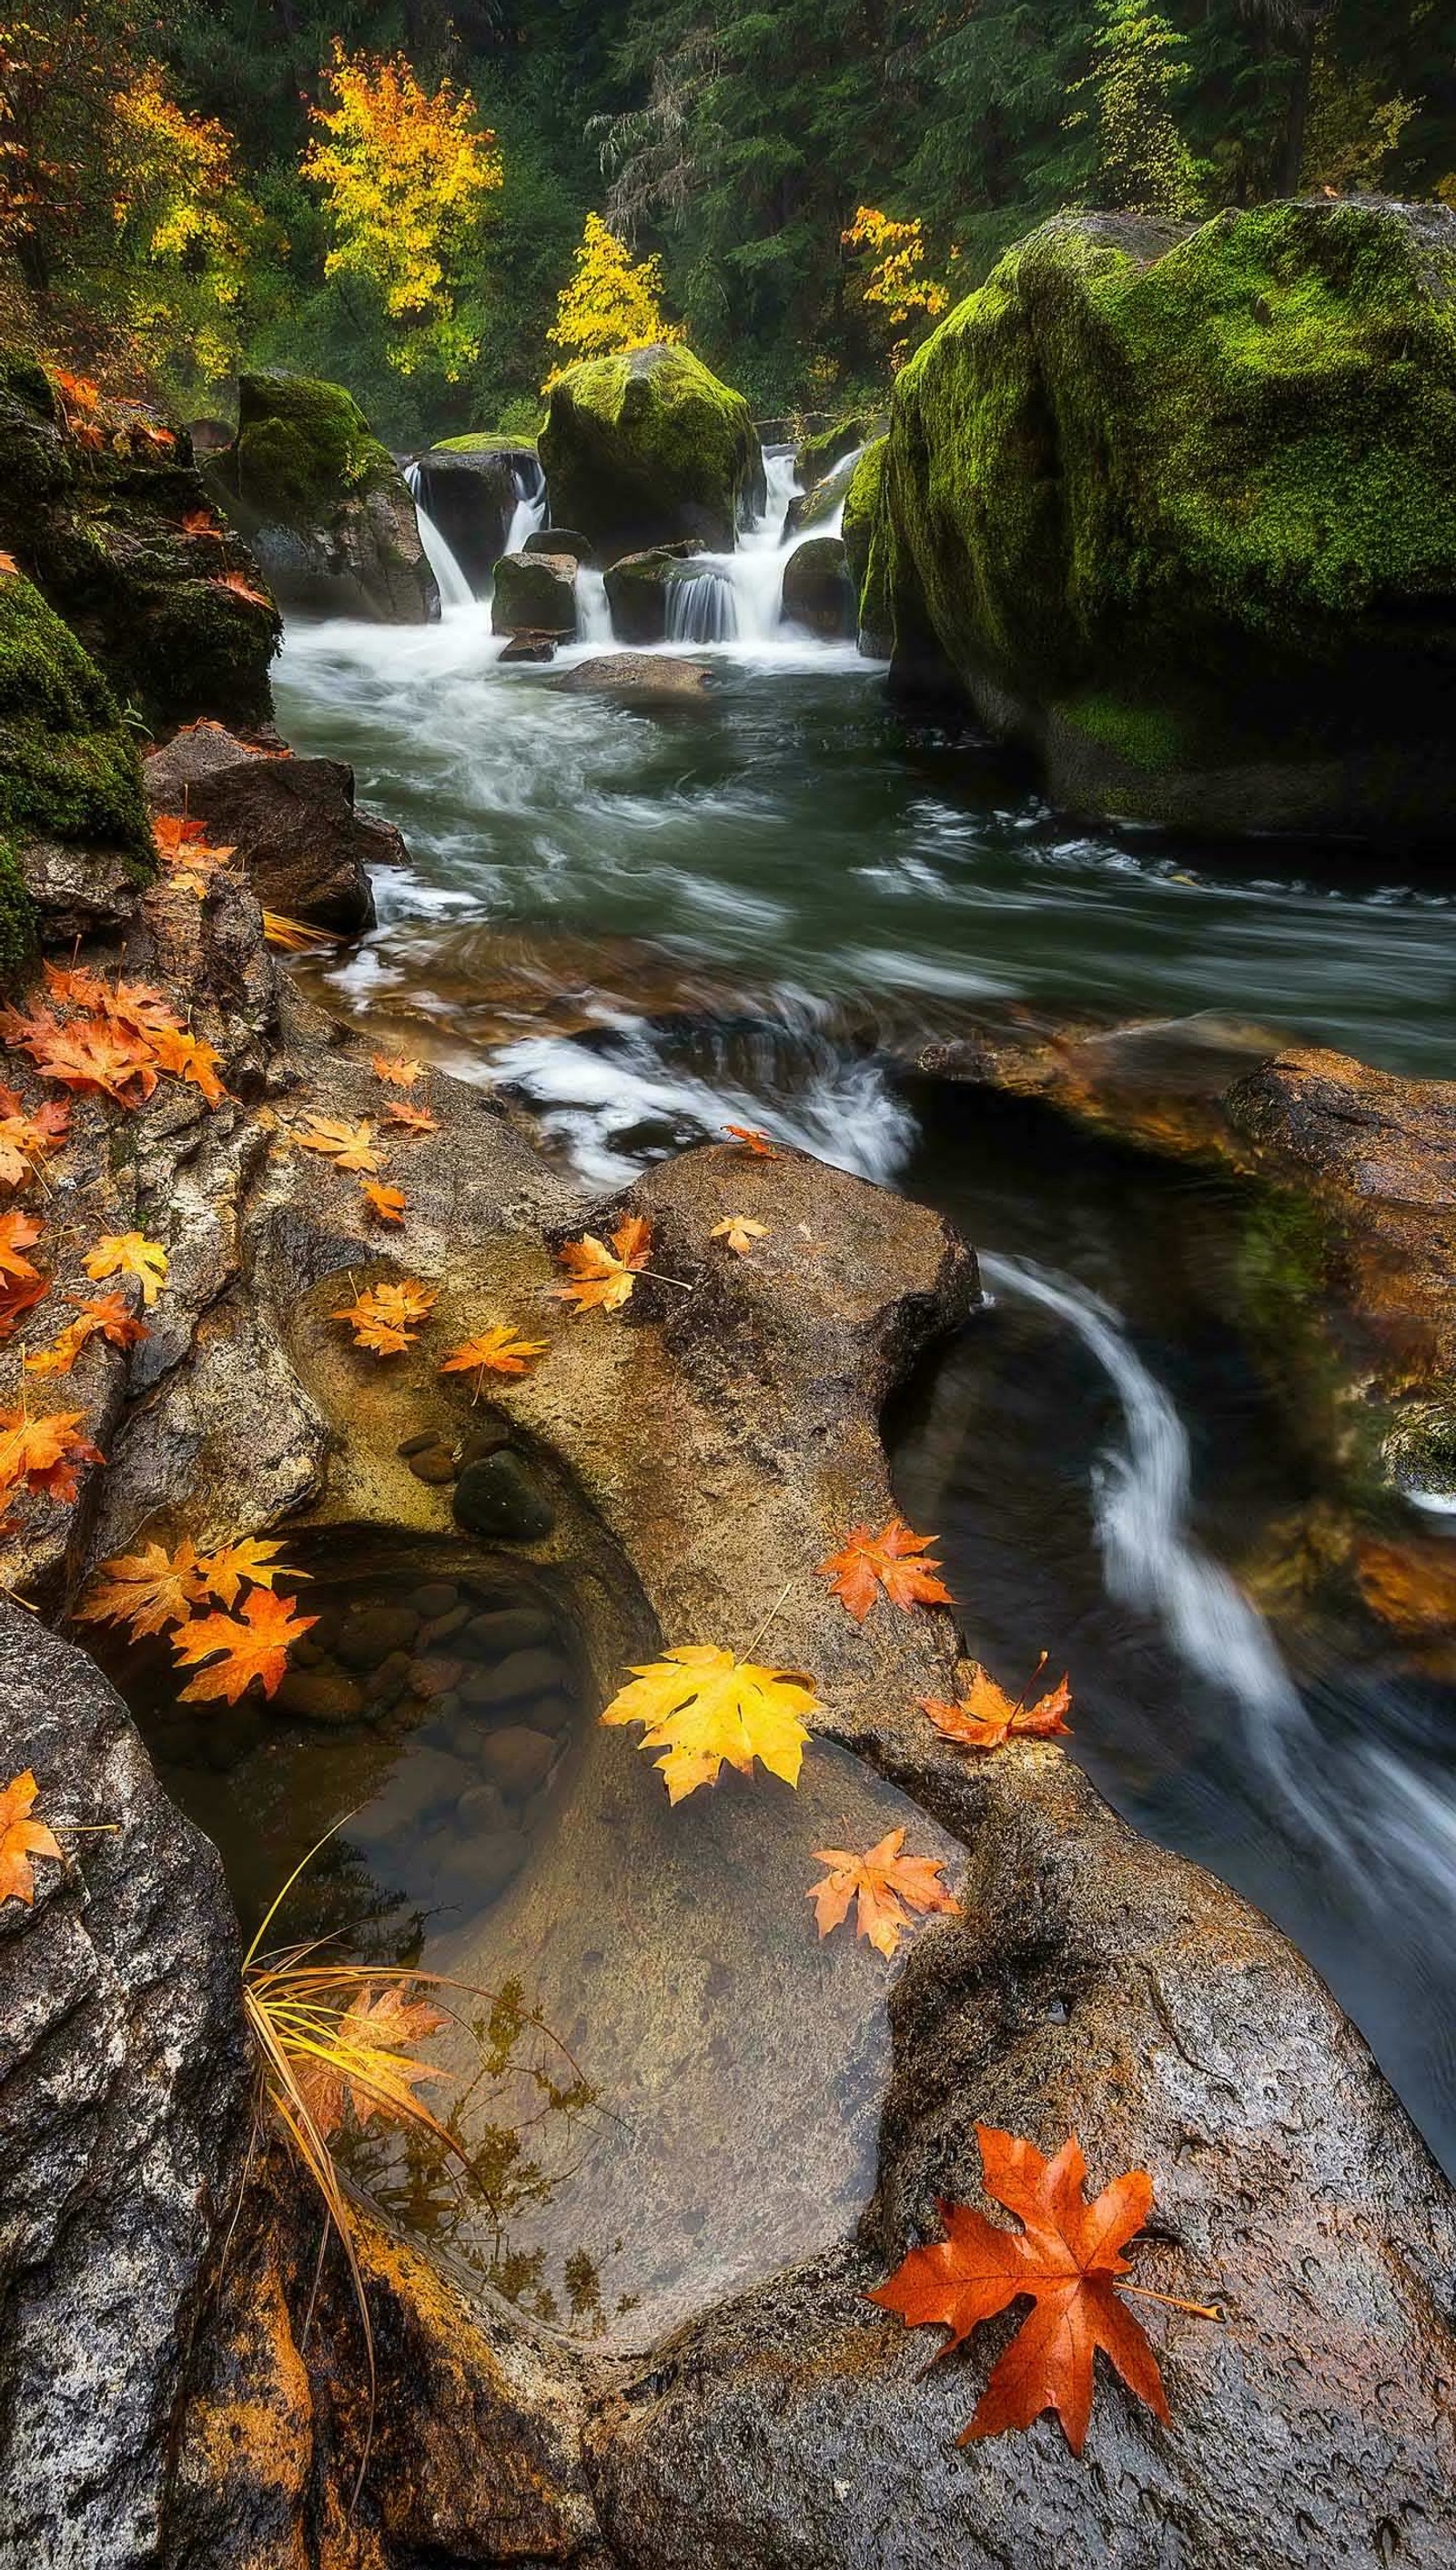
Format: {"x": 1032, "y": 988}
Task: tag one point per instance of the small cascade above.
{"x": 703, "y": 603}
{"x": 833, "y": 525}
{"x": 529, "y": 514}
{"x": 450, "y": 580}
{"x": 594, "y": 615}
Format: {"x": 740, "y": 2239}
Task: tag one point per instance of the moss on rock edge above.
{"x": 1203, "y": 475}
{"x": 648, "y": 449}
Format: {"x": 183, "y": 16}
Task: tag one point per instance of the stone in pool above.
{"x": 524, "y": 1674}
{"x": 516, "y": 1758}
{"x": 509, "y": 1628}
{"x": 370, "y": 1633}
{"x": 321, "y": 1695}
{"x": 499, "y": 1497}
{"x": 433, "y": 1597}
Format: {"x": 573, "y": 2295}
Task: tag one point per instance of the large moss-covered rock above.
{"x": 74, "y": 834}
{"x": 323, "y": 503}
{"x": 861, "y": 505}
{"x": 95, "y": 503}
{"x": 648, "y": 448}
{"x": 1174, "y": 504}
{"x": 819, "y": 453}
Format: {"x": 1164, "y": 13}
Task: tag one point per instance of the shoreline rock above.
{"x": 323, "y": 504}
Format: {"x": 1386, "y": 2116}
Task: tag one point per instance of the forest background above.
{"x": 412, "y": 200}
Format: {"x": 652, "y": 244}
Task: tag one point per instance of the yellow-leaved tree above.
{"x": 405, "y": 173}
{"x": 609, "y": 303}
{"x": 895, "y": 283}
{"x": 186, "y": 226}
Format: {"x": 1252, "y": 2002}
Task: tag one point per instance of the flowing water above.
{"x": 749, "y": 906}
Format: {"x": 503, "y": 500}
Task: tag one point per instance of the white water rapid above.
{"x": 529, "y": 514}
{"x": 450, "y": 580}
{"x": 737, "y": 596}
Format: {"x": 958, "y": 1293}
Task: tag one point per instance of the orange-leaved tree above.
{"x": 609, "y": 303}
{"x": 896, "y": 284}
{"x": 405, "y": 173}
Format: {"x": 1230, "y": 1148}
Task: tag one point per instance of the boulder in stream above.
{"x": 470, "y": 486}
{"x": 641, "y": 675}
{"x": 307, "y": 849}
{"x": 636, "y": 590}
{"x": 647, "y": 448}
{"x": 322, "y": 503}
{"x": 1171, "y": 504}
{"x": 819, "y": 593}
{"x": 535, "y": 594}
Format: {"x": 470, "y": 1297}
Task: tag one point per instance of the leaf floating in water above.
{"x": 251, "y": 1645}
{"x": 706, "y": 1710}
{"x": 887, "y": 1887}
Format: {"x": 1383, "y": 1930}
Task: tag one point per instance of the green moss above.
{"x": 818, "y": 455}
{"x": 304, "y": 449}
{"x": 647, "y": 448}
{"x": 69, "y": 767}
{"x": 1142, "y": 737}
{"x": 1211, "y": 465}
{"x": 492, "y": 442}
{"x": 17, "y": 913}
{"x": 861, "y": 501}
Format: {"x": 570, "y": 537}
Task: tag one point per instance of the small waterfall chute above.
{"x": 594, "y": 614}
{"x": 450, "y": 580}
{"x": 702, "y": 602}
{"x": 529, "y": 514}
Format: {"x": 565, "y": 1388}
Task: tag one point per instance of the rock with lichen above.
{"x": 323, "y": 504}
{"x": 1173, "y": 504}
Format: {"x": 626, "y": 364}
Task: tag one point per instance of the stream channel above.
{"x": 647, "y": 920}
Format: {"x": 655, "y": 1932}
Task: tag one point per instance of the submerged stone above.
{"x": 500, "y": 1496}
{"x": 501, "y": 1629}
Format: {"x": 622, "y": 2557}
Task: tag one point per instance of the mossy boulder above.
{"x": 535, "y": 594}
{"x": 470, "y": 487}
{"x": 637, "y": 591}
{"x": 1174, "y": 504}
{"x": 323, "y": 503}
{"x": 74, "y": 832}
{"x": 650, "y": 448}
{"x": 817, "y": 590}
{"x": 95, "y": 506}
{"x": 819, "y": 453}
{"x": 862, "y": 508}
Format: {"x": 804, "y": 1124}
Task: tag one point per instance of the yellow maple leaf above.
{"x": 740, "y": 1233}
{"x": 494, "y": 1351}
{"x": 146, "y": 1591}
{"x": 602, "y": 1279}
{"x": 349, "y": 1146}
{"x": 705, "y": 1709}
{"x": 128, "y": 1253}
{"x": 22, "y": 1836}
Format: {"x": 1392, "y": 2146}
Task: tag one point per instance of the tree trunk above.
{"x": 1298, "y": 120}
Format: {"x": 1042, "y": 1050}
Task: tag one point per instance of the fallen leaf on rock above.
{"x": 104, "y": 1316}
{"x": 986, "y": 1717}
{"x": 890, "y": 1560}
{"x": 756, "y": 1144}
{"x": 145, "y": 1590}
{"x": 414, "y": 1120}
{"x": 385, "y": 1317}
{"x": 397, "y": 1069}
{"x": 602, "y": 1279}
{"x": 41, "y": 1454}
{"x": 234, "y": 1565}
{"x": 187, "y": 1058}
{"x": 241, "y": 587}
{"x": 887, "y": 1887}
{"x": 128, "y": 1253}
{"x": 18, "y": 1232}
{"x": 198, "y": 522}
{"x": 8, "y": 565}
{"x": 349, "y": 1146}
{"x": 388, "y": 1202}
{"x": 704, "y": 1710}
{"x": 26, "y": 1139}
{"x": 22, "y": 1837}
{"x": 18, "y": 1295}
{"x": 245, "y": 1648}
{"x": 88, "y": 1052}
{"x": 494, "y": 1351}
{"x": 740, "y": 1232}
{"x": 1066, "y": 2258}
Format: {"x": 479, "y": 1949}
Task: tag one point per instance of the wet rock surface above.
{"x": 640, "y": 675}
{"x": 306, "y": 847}
{"x": 470, "y": 491}
{"x": 648, "y": 448}
{"x": 817, "y": 590}
{"x": 323, "y": 504}
{"x": 534, "y": 594}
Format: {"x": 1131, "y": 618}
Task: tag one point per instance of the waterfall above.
{"x": 737, "y": 596}
{"x": 594, "y": 615}
{"x": 529, "y": 513}
{"x": 702, "y": 604}
{"x": 450, "y": 580}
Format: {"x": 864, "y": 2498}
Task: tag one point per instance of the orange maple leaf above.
{"x": 245, "y": 1564}
{"x": 234, "y": 582}
{"x": 86, "y": 1053}
{"x": 198, "y": 522}
{"x": 349, "y": 1146}
{"x": 986, "y": 1717}
{"x": 18, "y": 1232}
{"x": 174, "y": 831}
{"x": 602, "y": 1279}
{"x": 756, "y": 1144}
{"x": 494, "y": 1351}
{"x": 187, "y": 1058}
{"x": 145, "y": 1590}
{"x": 1066, "y": 2258}
{"x": 398, "y": 1068}
{"x": 25, "y": 1138}
{"x": 104, "y": 1316}
{"x": 415, "y": 1119}
{"x": 366, "y": 2063}
{"x": 252, "y": 1644}
{"x": 41, "y": 1454}
{"x": 21, "y": 1838}
{"x": 886, "y": 1886}
{"x": 388, "y": 1202}
{"x": 387, "y": 1317}
{"x": 868, "y": 1563}
{"x": 8, "y": 565}
{"x": 19, "y": 1295}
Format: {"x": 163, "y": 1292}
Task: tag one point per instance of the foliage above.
{"x": 885, "y": 1886}
{"x": 986, "y": 1717}
{"x": 187, "y": 231}
{"x": 1067, "y": 2258}
{"x": 895, "y": 283}
{"x": 892, "y": 1560}
{"x": 23, "y": 1835}
{"x": 608, "y": 305}
{"x": 706, "y": 1710}
{"x": 1137, "y": 162}
{"x": 404, "y": 172}
{"x": 602, "y": 1279}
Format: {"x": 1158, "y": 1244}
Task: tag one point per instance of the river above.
{"x": 647, "y": 923}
